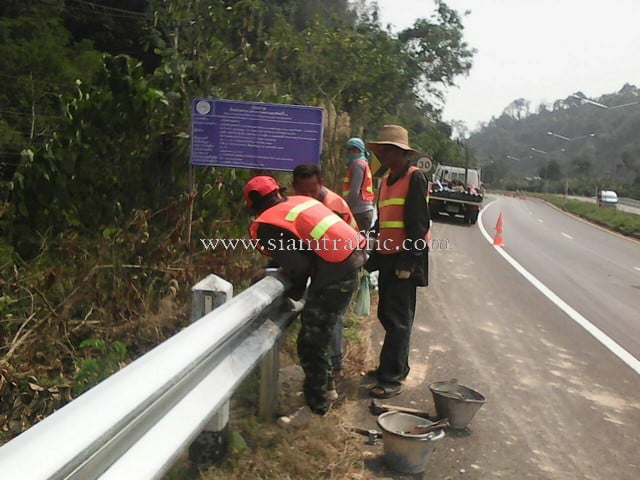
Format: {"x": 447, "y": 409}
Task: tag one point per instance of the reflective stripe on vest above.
{"x": 391, "y": 209}
{"x": 392, "y": 224}
{"x": 392, "y": 201}
{"x": 323, "y": 225}
{"x": 295, "y": 211}
{"x": 324, "y": 232}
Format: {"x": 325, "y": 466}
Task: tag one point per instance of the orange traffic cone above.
{"x": 497, "y": 240}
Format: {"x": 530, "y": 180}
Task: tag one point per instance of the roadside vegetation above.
{"x": 100, "y": 213}
{"x": 617, "y": 220}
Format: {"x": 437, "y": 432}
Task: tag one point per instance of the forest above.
{"x": 576, "y": 144}
{"x": 100, "y": 212}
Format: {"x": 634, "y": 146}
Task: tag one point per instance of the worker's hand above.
{"x": 258, "y": 275}
{"x": 402, "y": 274}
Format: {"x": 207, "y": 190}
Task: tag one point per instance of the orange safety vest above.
{"x": 320, "y": 230}
{"x": 391, "y": 210}
{"x": 366, "y": 190}
{"x": 336, "y": 203}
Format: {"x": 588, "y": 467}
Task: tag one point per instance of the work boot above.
{"x": 299, "y": 418}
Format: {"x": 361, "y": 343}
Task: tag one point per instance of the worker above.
{"x": 357, "y": 184}
{"x": 307, "y": 180}
{"x": 401, "y": 254}
{"x": 307, "y": 240}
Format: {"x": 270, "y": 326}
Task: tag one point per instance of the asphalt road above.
{"x": 560, "y": 405}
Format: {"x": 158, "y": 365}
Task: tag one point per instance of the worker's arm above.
{"x": 284, "y": 250}
{"x": 357, "y": 177}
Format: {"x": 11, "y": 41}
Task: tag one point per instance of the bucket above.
{"x": 456, "y": 402}
{"x": 404, "y": 452}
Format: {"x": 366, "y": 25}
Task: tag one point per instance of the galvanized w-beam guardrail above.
{"x": 137, "y": 422}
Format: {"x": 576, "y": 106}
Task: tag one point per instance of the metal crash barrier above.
{"x": 137, "y": 422}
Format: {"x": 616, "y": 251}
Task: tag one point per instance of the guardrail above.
{"x": 137, "y": 422}
{"x": 629, "y": 202}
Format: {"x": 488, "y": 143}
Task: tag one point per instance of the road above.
{"x": 561, "y": 405}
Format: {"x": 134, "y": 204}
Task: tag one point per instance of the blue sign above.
{"x": 254, "y": 135}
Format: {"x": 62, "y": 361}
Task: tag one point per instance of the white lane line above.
{"x": 540, "y": 220}
{"x": 637, "y": 268}
{"x": 567, "y": 235}
{"x": 598, "y": 334}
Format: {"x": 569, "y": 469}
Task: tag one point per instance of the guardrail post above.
{"x": 213, "y": 442}
{"x": 269, "y": 375}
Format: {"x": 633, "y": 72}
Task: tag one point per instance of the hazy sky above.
{"x": 541, "y": 50}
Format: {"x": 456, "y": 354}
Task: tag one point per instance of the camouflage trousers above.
{"x": 323, "y": 308}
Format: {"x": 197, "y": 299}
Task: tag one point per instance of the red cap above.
{"x": 262, "y": 184}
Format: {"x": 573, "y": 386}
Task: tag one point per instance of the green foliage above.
{"x": 237, "y": 443}
{"x": 91, "y": 371}
{"x": 352, "y": 327}
{"x": 39, "y": 62}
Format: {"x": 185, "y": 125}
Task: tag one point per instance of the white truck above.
{"x": 456, "y": 191}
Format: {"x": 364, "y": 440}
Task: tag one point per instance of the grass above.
{"x": 623, "y": 222}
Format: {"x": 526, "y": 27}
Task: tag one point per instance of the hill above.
{"x": 593, "y": 142}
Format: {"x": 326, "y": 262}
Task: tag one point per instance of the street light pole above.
{"x": 546, "y": 168}
{"x": 600, "y": 105}
{"x": 567, "y": 139}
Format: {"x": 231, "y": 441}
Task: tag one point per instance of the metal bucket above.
{"x": 404, "y": 452}
{"x": 456, "y": 402}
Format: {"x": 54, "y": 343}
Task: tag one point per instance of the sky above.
{"x": 541, "y": 50}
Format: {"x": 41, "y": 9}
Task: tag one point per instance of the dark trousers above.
{"x": 322, "y": 309}
{"x": 337, "y": 345}
{"x": 396, "y": 310}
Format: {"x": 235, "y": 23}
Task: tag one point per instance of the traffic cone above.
{"x": 497, "y": 240}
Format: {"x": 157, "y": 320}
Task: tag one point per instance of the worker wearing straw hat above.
{"x": 400, "y": 255}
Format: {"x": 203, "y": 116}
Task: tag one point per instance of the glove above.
{"x": 402, "y": 274}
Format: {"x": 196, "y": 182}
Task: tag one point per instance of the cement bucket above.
{"x": 456, "y": 402}
{"x": 404, "y": 452}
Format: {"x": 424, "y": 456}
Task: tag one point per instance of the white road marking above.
{"x": 637, "y": 268}
{"x": 598, "y": 334}
{"x": 540, "y": 220}
{"x": 566, "y": 235}
{"x": 530, "y": 213}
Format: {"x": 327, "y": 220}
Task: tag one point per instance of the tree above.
{"x": 518, "y": 109}
{"x": 438, "y": 52}
{"x": 551, "y": 170}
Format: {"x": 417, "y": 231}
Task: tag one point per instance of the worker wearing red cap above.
{"x": 307, "y": 180}
{"x": 306, "y": 239}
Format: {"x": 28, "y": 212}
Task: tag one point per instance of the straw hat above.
{"x": 392, "y": 135}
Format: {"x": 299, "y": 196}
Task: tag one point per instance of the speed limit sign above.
{"x": 424, "y": 163}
